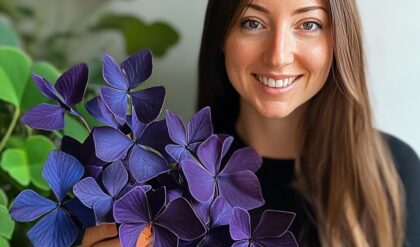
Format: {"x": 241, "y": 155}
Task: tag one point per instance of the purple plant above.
{"x": 67, "y": 92}
{"x": 188, "y": 139}
{"x": 135, "y": 211}
{"x": 237, "y": 182}
{"x": 160, "y": 179}
{"x": 56, "y": 228}
{"x": 133, "y": 71}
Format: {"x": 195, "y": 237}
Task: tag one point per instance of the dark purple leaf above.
{"x": 72, "y": 84}
{"x": 137, "y": 67}
{"x": 241, "y": 189}
{"x": 82, "y": 213}
{"x": 46, "y": 88}
{"x": 163, "y": 237}
{"x": 273, "y": 223}
{"x": 89, "y": 192}
{"x": 157, "y": 201}
{"x": 209, "y": 153}
{"x": 132, "y": 207}
{"x": 148, "y": 103}
{"x": 181, "y": 219}
{"x": 286, "y": 240}
{"x": 44, "y": 116}
{"x": 99, "y": 111}
{"x": 220, "y": 212}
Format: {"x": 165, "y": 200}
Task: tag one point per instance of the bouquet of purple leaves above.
{"x": 161, "y": 178}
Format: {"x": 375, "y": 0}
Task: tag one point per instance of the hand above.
{"x": 104, "y": 235}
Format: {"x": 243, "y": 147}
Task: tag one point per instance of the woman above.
{"x": 287, "y": 78}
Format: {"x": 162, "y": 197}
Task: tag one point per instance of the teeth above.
{"x": 276, "y": 83}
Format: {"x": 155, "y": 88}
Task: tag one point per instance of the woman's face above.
{"x": 278, "y": 55}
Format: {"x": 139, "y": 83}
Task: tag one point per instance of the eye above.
{"x": 251, "y": 24}
{"x": 311, "y": 26}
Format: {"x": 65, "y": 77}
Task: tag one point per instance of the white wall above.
{"x": 392, "y": 43}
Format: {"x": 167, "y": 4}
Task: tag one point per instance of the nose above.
{"x": 279, "y": 50}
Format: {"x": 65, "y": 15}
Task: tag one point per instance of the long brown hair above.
{"x": 345, "y": 170}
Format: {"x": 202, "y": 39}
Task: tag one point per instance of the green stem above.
{"x": 85, "y": 124}
{"x": 10, "y": 129}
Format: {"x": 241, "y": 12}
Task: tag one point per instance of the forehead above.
{"x": 280, "y": 5}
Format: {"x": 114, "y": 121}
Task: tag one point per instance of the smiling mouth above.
{"x": 277, "y": 83}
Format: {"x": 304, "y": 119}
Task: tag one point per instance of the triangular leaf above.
{"x": 37, "y": 149}
{"x": 7, "y": 224}
{"x": 16, "y": 66}
{"x": 15, "y": 162}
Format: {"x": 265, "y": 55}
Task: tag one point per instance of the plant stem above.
{"x": 85, "y": 124}
{"x": 10, "y": 129}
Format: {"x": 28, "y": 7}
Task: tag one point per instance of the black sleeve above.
{"x": 408, "y": 165}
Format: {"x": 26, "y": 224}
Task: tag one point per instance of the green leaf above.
{"x": 75, "y": 129}
{"x": 32, "y": 95}
{"x": 4, "y": 243}
{"x": 37, "y": 150}
{"x": 15, "y": 142}
{"x": 158, "y": 36}
{"x": 3, "y": 198}
{"x": 8, "y": 36}
{"x": 14, "y": 161}
{"x": 14, "y": 73}
{"x": 7, "y": 224}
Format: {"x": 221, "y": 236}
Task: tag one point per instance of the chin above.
{"x": 275, "y": 113}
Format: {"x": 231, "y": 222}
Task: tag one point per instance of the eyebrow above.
{"x": 298, "y": 11}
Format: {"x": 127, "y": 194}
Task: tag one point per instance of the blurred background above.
{"x": 49, "y": 36}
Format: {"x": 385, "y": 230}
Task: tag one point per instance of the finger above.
{"x": 99, "y": 233}
{"x": 115, "y": 242}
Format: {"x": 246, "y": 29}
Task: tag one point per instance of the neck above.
{"x": 275, "y": 138}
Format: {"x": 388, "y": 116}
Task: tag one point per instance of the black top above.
{"x": 276, "y": 178}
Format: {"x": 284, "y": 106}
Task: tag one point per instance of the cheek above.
{"x": 317, "y": 57}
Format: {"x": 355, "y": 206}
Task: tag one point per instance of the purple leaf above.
{"x": 156, "y": 136}
{"x": 148, "y": 103}
{"x": 286, "y": 240}
{"x": 200, "y": 182}
{"x": 178, "y": 153}
{"x": 137, "y": 67}
{"x": 103, "y": 210}
{"x": 29, "y": 205}
{"x": 243, "y": 243}
{"x": 83, "y": 214}
{"x": 110, "y": 144}
{"x": 132, "y": 207}
{"x": 46, "y": 88}
{"x": 114, "y": 178}
{"x": 89, "y": 192}
{"x": 44, "y": 116}
{"x": 55, "y": 229}
{"x": 112, "y": 73}
{"x": 181, "y": 219}
{"x": 61, "y": 171}
{"x": 136, "y": 126}
{"x": 273, "y": 223}
{"x": 145, "y": 165}
{"x": 99, "y": 111}
{"x": 115, "y": 100}
{"x": 243, "y": 159}
{"x": 240, "y": 225}
{"x": 163, "y": 237}
{"x": 157, "y": 201}
{"x": 220, "y": 212}
{"x": 200, "y": 126}
{"x": 241, "y": 189}
{"x": 209, "y": 153}
{"x": 176, "y": 129}
{"x": 72, "y": 84}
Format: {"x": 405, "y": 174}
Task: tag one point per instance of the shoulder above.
{"x": 408, "y": 166}
{"x": 405, "y": 158}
